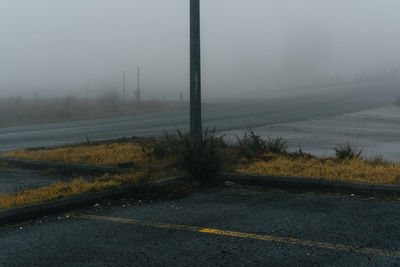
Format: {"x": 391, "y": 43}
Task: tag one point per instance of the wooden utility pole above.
{"x": 195, "y": 73}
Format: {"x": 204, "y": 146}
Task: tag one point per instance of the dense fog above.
{"x": 249, "y": 48}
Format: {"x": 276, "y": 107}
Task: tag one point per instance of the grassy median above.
{"x": 240, "y": 159}
{"x": 140, "y": 155}
{"x": 76, "y": 187}
{"x": 171, "y": 155}
{"x": 354, "y": 170}
{"x": 109, "y": 154}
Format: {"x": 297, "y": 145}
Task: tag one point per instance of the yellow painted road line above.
{"x": 269, "y": 238}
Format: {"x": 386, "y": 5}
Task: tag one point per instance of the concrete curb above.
{"x": 160, "y": 188}
{"x": 301, "y": 184}
{"x": 64, "y": 168}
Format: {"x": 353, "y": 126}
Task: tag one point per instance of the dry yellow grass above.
{"x": 114, "y": 153}
{"x": 76, "y": 187}
{"x": 349, "y": 170}
{"x": 103, "y": 154}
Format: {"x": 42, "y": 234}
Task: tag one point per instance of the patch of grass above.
{"x": 377, "y": 160}
{"x": 58, "y": 190}
{"x": 76, "y": 187}
{"x": 355, "y": 170}
{"x": 111, "y": 154}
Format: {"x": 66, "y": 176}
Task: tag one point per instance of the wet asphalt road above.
{"x": 225, "y": 116}
{"x": 351, "y": 232}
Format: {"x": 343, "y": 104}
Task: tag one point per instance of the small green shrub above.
{"x": 203, "y": 162}
{"x": 253, "y": 146}
{"x": 347, "y": 151}
{"x": 167, "y": 145}
{"x": 277, "y": 146}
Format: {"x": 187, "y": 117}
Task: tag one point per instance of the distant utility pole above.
{"x": 123, "y": 85}
{"x": 195, "y": 73}
{"x": 87, "y": 89}
{"x": 137, "y": 92}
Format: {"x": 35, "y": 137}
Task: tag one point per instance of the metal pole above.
{"x": 195, "y": 73}
{"x": 138, "y": 85}
{"x": 123, "y": 85}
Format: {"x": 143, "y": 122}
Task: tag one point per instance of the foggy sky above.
{"x": 61, "y": 47}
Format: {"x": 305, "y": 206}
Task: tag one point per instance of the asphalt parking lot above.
{"x": 213, "y": 227}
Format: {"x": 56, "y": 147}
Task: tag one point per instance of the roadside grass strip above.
{"x": 355, "y": 170}
{"x": 76, "y": 187}
{"x": 268, "y": 238}
{"x": 143, "y": 156}
{"x": 104, "y": 155}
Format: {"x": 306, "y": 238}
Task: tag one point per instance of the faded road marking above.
{"x": 269, "y": 238}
